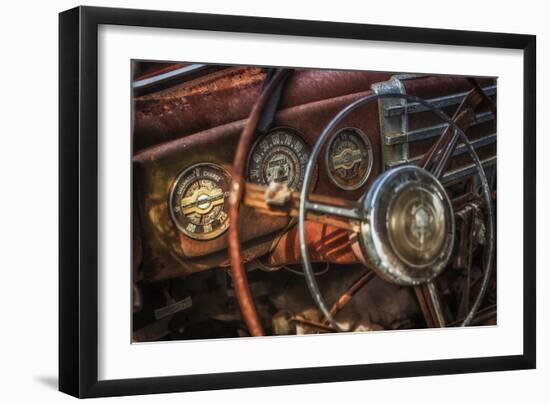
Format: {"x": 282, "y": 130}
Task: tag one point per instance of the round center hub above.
{"x": 408, "y": 237}
{"x": 416, "y": 225}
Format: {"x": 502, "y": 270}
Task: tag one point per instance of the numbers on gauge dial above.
{"x": 279, "y": 156}
{"x": 198, "y": 201}
{"x": 349, "y": 158}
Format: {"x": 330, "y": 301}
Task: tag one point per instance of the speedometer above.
{"x": 279, "y": 156}
{"x": 198, "y": 201}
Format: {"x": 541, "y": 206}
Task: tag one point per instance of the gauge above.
{"x": 349, "y": 158}
{"x": 279, "y": 156}
{"x": 198, "y": 201}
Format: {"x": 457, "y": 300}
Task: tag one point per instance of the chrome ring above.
{"x": 389, "y": 246}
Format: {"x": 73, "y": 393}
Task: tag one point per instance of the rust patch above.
{"x": 237, "y": 77}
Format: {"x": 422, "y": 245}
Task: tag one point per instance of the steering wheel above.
{"x": 403, "y": 226}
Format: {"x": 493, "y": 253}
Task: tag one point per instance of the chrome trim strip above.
{"x": 392, "y": 125}
{"x": 160, "y": 78}
{"x": 482, "y": 141}
{"x": 409, "y": 76}
{"x": 460, "y": 149}
{"x": 466, "y": 171}
{"x": 431, "y": 131}
{"x": 439, "y": 102}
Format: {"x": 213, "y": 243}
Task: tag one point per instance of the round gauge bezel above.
{"x": 364, "y": 137}
{"x": 294, "y": 133}
{"x": 197, "y": 236}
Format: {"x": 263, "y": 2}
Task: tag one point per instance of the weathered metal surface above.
{"x": 392, "y": 125}
{"x": 156, "y": 168}
{"x": 228, "y": 96}
{"x": 204, "y": 103}
{"x": 406, "y": 137}
{"x": 325, "y": 243}
{"x": 172, "y": 75}
{"x": 143, "y": 69}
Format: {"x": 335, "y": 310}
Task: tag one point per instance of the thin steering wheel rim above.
{"x": 311, "y": 281}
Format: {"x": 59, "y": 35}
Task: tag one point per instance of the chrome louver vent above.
{"x": 402, "y": 143}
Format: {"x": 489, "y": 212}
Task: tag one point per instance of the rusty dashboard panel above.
{"x": 156, "y": 167}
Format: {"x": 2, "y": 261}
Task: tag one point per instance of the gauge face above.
{"x": 198, "y": 201}
{"x": 280, "y": 156}
{"x": 349, "y": 158}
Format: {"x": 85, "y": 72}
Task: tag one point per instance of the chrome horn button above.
{"x": 416, "y": 225}
{"x": 409, "y": 232}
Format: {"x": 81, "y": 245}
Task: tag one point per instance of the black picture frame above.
{"x": 78, "y": 200}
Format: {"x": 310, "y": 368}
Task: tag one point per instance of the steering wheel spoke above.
{"x": 439, "y": 159}
{"x": 430, "y": 304}
{"x": 278, "y": 200}
{"x": 441, "y": 152}
{"x": 349, "y": 212}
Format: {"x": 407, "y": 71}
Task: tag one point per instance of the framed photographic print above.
{"x": 249, "y": 201}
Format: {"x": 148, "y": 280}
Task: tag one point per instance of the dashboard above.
{"x": 185, "y": 135}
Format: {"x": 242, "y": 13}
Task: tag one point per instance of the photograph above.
{"x": 288, "y": 201}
